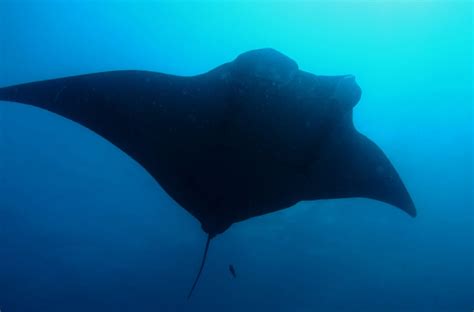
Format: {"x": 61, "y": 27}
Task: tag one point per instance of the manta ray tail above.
{"x": 209, "y": 237}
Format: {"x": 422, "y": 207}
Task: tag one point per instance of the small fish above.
{"x": 232, "y": 270}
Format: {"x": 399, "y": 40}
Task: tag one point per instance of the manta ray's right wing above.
{"x": 351, "y": 165}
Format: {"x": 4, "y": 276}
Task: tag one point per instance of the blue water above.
{"x": 85, "y": 228}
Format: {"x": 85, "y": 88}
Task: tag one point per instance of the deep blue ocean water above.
{"x": 85, "y": 228}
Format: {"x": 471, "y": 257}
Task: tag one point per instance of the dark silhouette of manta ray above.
{"x": 247, "y": 138}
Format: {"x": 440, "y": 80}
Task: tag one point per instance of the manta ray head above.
{"x": 339, "y": 161}
{"x": 264, "y": 65}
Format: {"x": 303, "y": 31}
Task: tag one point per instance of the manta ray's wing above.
{"x": 115, "y": 105}
{"x": 168, "y": 124}
{"x": 157, "y": 119}
{"x": 348, "y": 165}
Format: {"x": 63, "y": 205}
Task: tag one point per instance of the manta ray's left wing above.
{"x": 157, "y": 119}
{"x": 137, "y": 111}
{"x": 112, "y": 104}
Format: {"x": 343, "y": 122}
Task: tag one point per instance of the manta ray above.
{"x": 249, "y": 137}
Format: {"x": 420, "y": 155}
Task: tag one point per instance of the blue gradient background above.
{"x": 84, "y": 228}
